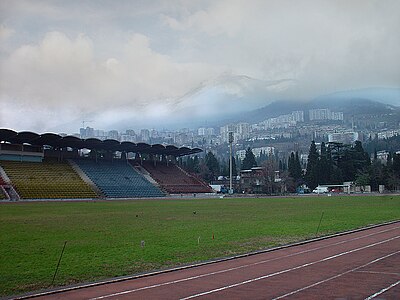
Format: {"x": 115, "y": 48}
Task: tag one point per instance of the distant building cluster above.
{"x": 388, "y": 134}
{"x": 268, "y": 151}
{"x": 202, "y": 131}
{"x": 278, "y": 136}
{"x": 284, "y": 121}
{"x": 324, "y": 114}
{"x": 240, "y": 131}
{"x": 344, "y": 137}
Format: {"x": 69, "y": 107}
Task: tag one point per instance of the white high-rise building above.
{"x": 319, "y": 114}
{"x": 298, "y": 115}
{"x": 145, "y": 135}
{"x": 325, "y": 114}
{"x": 343, "y": 137}
{"x": 256, "y": 151}
{"x": 201, "y": 131}
{"x": 224, "y": 131}
{"x": 210, "y": 131}
{"x": 243, "y": 130}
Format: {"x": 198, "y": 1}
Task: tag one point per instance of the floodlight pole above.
{"x": 230, "y": 162}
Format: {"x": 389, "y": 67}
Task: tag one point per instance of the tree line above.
{"x": 336, "y": 163}
{"x": 331, "y": 163}
{"x": 209, "y": 167}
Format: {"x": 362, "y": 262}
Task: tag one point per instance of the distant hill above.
{"x": 354, "y": 107}
{"x": 389, "y": 96}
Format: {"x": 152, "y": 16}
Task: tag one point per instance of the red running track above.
{"x": 359, "y": 265}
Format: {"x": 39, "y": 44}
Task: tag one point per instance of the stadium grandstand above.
{"x": 175, "y": 180}
{"x": 51, "y": 166}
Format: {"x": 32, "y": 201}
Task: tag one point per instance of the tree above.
{"x": 294, "y": 167}
{"x": 324, "y": 168}
{"x": 281, "y": 166}
{"x": 189, "y": 164}
{"x": 192, "y": 164}
{"x": 224, "y": 167}
{"x": 396, "y": 164}
{"x": 269, "y": 168}
{"x": 212, "y": 164}
{"x": 291, "y": 167}
{"x": 297, "y": 167}
{"x": 312, "y": 176}
{"x": 363, "y": 179}
{"x": 249, "y": 160}
{"x": 354, "y": 160}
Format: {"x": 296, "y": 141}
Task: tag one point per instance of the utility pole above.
{"x": 230, "y": 162}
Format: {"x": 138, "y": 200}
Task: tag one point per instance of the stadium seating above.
{"x": 2, "y": 194}
{"x": 174, "y": 180}
{"x": 118, "y": 179}
{"x": 46, "y": 180}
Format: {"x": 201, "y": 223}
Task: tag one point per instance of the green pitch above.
{"x": 104, "y": 239}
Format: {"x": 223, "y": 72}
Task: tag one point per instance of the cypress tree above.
{"x": 249, "y": 160}
{"x": 196, "y": 164}
{"x": 291, "y": 168}
{"x": 396, "y": 164}
{"x": 323, "y": 165}
{"x": 280, "y": 165}
{"x": 312, "y": 176}
{"x": 297, "y": 167}
{"x": 212, "y": 164}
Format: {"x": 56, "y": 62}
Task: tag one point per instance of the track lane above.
{"x": 201, "y": 279}
{"x": 306, "y": 276}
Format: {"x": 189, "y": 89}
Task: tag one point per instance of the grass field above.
{"x": 104, "y": 238}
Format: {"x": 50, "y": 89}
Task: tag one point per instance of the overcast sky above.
{"x": 65, "y": 61}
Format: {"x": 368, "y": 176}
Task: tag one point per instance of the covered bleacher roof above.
{"x": 58, "y": 141}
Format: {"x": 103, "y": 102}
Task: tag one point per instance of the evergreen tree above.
{"x": 224, "y": 168}
{"x": 291, "y": 167}
{"x": 212, "y": 164}
{"x": 396, "y": 164}
{"x": 189, "y": 164}
{"x": 375, "y": 173}
{"x": 312, "y": 176}
{"x": 294, "y": 167}
{"x": 354, "y": 161}
{"x": 249, "y": 160}
{"x": 196, "y": 164}
{"x": 323, "y": 166}
{"x": 297, "y": 167}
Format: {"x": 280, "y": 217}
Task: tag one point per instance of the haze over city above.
{"x": 127, "y": 64}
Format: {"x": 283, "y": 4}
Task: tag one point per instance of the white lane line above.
{"x": 336, "y": 276}
{"x": 239, "y": 267}
{"x": 380, "y": 273}
{"x": 382, "y": 290}
{"x": 287, "y": 270}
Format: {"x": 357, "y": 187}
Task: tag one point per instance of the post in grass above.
{"x": 320, "y": 220}
{"x": 59, "y": 261}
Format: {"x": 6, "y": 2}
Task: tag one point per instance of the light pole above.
{"x": 230, "y": 162}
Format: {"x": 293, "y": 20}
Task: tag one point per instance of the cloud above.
{"x": 324, "y": 45}
{"x": 221, "y": 17}
{"x": 5, "y": 32}
{"x": 63, "y": 76}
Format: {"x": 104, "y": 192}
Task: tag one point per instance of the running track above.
{"x": 359, "y": 265}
